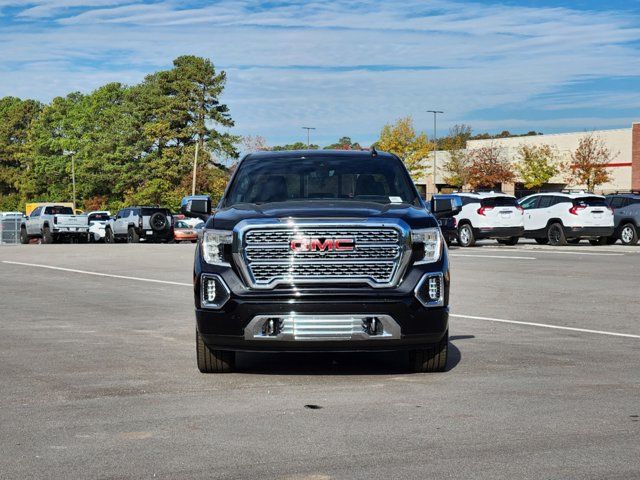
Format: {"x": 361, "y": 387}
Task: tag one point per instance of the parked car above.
{"x": 98, "y": 221}
{"x": 183, "y": 232}
{"x": 52, "y": 223}
{"x": 448, "y": 223}
{"x": 133, "y": 224}
{"x": 626, "y": 217}
{"x": 485, "y": 215}
{"x": 320, "y": 251}
{"x": 559, "y": 218}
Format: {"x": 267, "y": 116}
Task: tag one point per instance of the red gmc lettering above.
{"x": 326, "y": 245}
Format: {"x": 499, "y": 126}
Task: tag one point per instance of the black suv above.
{"x": 132, "y": 224}
{"x": 320, "y": 251}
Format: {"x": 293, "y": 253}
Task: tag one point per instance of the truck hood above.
{"x": 415, "y": 217}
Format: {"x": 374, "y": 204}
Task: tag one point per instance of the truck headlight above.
{"x": 213, "y": 242}
{"x": 431, "y": 239}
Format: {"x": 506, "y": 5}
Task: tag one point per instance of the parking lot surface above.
{"x": 98, "y": 376}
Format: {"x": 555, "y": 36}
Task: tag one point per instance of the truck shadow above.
{"x": 369, "y": 363}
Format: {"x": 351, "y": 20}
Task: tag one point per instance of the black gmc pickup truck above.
{"x": 320, "y": 251}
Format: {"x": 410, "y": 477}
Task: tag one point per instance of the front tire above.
{"x": 24, "y": 238}
{"x": 555, "y": 235}
{"x": 430, "y": 359}
{"x": 466, "y": 238}
{"x": 108, "y": 236}
{"x": 629, "y": 234}
{"x": 213, "y": 361}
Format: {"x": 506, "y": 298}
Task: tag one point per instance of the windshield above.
{"x": 58, "y": 211}
{"x": 98, "y": 216}
{"x": 368, "y": 179}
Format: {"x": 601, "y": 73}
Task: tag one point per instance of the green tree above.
{"x": 344, "y": 143}
{"x": 456, "y": 166}
{"x": 17, "y": 116}
{"x": 537, "y": 164}
{"x": 402, "y": 139}
{"x": 295, "y": 146}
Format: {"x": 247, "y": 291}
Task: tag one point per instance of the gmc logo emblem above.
{"x": 323, "y": 244}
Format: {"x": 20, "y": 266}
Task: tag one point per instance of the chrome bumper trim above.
{"x": 296, "y": 327}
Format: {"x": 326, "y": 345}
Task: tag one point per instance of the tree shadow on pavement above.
{"x": 369, "y": 363}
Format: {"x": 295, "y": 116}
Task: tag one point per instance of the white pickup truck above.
{"x": 52, "y": 223}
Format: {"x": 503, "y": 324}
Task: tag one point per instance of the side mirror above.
{"x": 198, "y": 206}
{"x": 445, "y": 206}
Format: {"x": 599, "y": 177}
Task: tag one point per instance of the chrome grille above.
{"x": 261, "y": 237}
{"x": 256, "y": 252}
{"x": 266, "y": 258}
{"x": 381, "y": 272}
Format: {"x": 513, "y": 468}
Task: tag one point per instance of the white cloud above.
{"x": 485, "y": 57}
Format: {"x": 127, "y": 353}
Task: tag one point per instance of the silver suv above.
{"x": 133, "y": 224}
{"x": 626, "y": 212}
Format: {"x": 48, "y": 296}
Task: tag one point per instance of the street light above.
{"x": 71, "y": 153}
{"x": 435, "y": 142}
{"x": 308, "y": 129}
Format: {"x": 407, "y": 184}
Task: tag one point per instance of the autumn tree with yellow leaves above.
{"x": 412, "y": 147}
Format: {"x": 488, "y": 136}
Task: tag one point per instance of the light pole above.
{"x": 195, "y": 170}
{"x": 435, "y": 143}
{"x": 308, "y": 129}
{"x": 71, "y": 153}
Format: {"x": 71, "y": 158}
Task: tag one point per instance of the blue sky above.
{"x": 349, "y": 66}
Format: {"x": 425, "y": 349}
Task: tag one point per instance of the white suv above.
{"x": 489, "y": 215}
{"x": 559, "y": 218}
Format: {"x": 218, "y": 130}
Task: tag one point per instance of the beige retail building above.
{"x": 624, "y": 167}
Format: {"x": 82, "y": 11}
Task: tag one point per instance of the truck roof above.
{"x": 318, "y": 153}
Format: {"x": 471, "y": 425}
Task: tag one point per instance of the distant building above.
{"x": 624, "y": 143}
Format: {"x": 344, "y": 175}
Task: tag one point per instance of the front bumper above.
{"x": 419, "y": 324}
{"x": 588, "y": 232}
{"x": 225, "y": 329}
{"x": 498, "y": 232}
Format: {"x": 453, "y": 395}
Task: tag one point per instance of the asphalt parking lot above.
{"x": 98, "y": 376}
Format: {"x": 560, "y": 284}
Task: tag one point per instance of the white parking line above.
{"x": 468, "y": 317}
{"x": 153, "y": 280}
{"x": 545, "y": 325}
{"x": 491, "y": 256}
{"x": 557, "y": 252}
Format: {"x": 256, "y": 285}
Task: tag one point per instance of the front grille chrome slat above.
{"x": 379, "y": 255}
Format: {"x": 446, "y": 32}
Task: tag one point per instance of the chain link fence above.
{"x": 10, "y": 230}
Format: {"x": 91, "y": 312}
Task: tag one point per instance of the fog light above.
{"x": 430, "y": 290}
{"x": 210, "y": 290}
{"x": 272, "y": 327}
{"x": 434, "y": 288}
{"x": 215, "y": 292}
{"x": 372, "y": 326}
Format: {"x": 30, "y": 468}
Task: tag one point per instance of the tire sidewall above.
{"x": 632, "y": 237}
{"x": 465, "y": 231}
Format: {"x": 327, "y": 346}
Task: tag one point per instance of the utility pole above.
{"x": 435, "y": 143}
{"x": 308, "y": 129}
{"x": 195, "y": 169}
{"x": 73, "y": 174}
